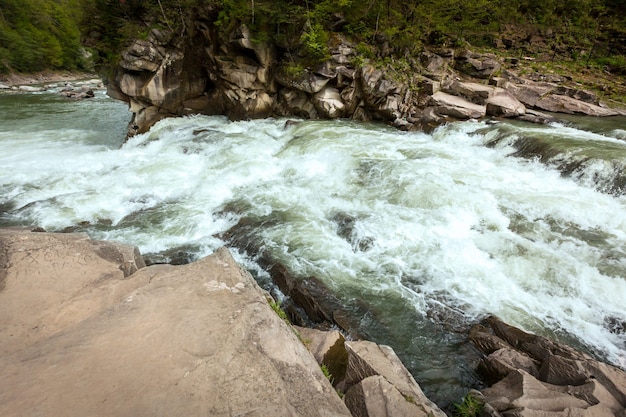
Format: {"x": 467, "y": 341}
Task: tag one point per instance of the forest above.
{"x": 56, "y": 34}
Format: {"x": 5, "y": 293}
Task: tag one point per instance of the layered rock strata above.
{"x": 535, "y": 376}
{"x": 207, "y": 72}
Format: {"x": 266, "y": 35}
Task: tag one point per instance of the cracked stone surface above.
{"x": 198, "y": 339}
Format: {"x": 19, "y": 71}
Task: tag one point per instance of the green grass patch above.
{"x": 469, "y": 407}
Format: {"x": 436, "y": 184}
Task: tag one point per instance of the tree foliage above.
{"x": 40, "y": 34}
{"x": 37, "y": 34}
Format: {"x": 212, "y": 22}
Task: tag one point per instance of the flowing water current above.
{"x": 418, "y": 234}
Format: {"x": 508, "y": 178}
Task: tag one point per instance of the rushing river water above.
{"x": 420, "y": 234}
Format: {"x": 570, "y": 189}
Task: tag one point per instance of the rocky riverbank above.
{"x": 90, "y": 330}
{"x": 211, "y": 73}
{"x": 76, "y": 85}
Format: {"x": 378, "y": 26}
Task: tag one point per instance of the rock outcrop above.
{"x": 375, "y": 382}
{"x": 209, "y": 72}
{"x": 90, "y": 330}
{"x": 535, "y": 376}
{"x": 87, "y": 330}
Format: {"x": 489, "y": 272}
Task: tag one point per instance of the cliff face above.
{"x": 208, "y": 72}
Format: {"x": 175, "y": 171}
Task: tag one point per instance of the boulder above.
{"x": 172, "y": 84}
{"x": 521, "y": 390}
{"x": 30, "y": 89}
{"x": 146, "y": 117}
{"x": 537, "y": 347}
{"x": 376, "y": 397}
{"x": 198, "y": 339}
{"x": 79, "y": 95}
{"x": 447, "y": 104}
{"x": 498, "y": 81}
{"x": 367, "y": 359}
{"x": 611, "y": 378}
{"x": 474, "y": 92}
{"x": 315, "y": 303}
{"x": 430, "y": 87}
{"x": 477, "y": 65}
{"x": 504, "y": 104}
{"x": 242, "y": 83}
{"x": 435, "y": 66}
{"x": 319, "y": 342}
{"x": 328, "y": 349}
{"x": 4, "y": 86}
{"x": 429, "y": 119}
{"x": 575, "y": 93}
{"x": 595, "y": 393}
{"x": 328, "y": 103}
{"x": 529, "y": 93}
{"x": 160, "y": 92}
{"x": 558, "y": 99}
{"x": 197, "y": 104}
{"x": 350, "y": 96}
{"x": 240, "y": 72}
{"x": 540, "y": 377}
{"x": 345, "y": 76}
{"x": 241, "y": 38}
{"x": 565, "y": 104}
{"x": 534, "y": 116}
{"x": 382, "y": 97}
{"x": 483, "y": 338}
{"x": 159, "y": 36}
{"x": 297, "y": 102}
{"x": 342, "y": 52}
{"x": 501, "y": 362}
{"x": 560, "y": 370}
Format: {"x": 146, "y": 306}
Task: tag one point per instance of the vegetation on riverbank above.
{"x": 40, "y": 35}
{"x": 582, "y": 37}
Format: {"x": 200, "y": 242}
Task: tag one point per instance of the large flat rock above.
{"x": 455, "y": 106}
{"x": 190, "y": 340}
{"x": 49, "y": 281}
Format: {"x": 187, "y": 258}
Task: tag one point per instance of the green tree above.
{"x": 40, "y": 34}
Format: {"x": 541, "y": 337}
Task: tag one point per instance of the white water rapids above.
{"x": 436, "y": 222}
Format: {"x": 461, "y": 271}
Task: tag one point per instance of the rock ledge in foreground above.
{"x": 198, "y": 339}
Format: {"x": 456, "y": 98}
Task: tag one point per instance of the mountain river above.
{"x": 420, "y": 234}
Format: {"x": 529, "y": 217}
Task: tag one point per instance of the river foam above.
{"x": 405, "y": 224}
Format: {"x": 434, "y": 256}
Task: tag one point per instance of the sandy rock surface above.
{"x": 80, "y": 337}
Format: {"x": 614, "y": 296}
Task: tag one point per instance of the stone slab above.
{"x": 192, "y": 340}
